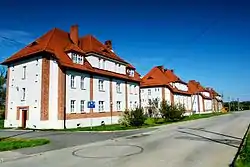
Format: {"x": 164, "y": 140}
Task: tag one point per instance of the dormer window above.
{"x": 76, "y": 58}
{"x": 131, "y": 74}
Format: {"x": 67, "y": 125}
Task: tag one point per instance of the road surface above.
{"x": 201, "y": 143}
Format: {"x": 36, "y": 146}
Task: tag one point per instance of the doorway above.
{"x": 24, "y": 118}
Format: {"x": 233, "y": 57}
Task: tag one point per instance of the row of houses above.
{"x": 62, "y": 80}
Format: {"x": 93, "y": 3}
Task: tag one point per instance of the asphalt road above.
{"x": 201, "y": 143}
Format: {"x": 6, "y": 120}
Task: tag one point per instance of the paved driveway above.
{"x": 210, "y": 142}
{"x": 61, "y": 140}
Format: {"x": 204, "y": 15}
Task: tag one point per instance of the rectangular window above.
{"x": 131, "y": 89}
{"x": 82, "y": 82}
{"x": 100, "y": 85}
{"x": 82, "y": 106}
{"x": 80, "y": 59}
{"x": 74, "y": 57}
{"x": 72, "y": 106}
{"x": 24, "y": 72}
{"x": 99, "y": 64}
{"x": 135, "y": 104}
{"x": 131, "y": 104}
{"x": 118, "y": 87}
{"x": 103, "y": 64}
{"x": 149, "y": 91}
{"x": 72, "y": 81}
{"x": 118, "y": 106}
{"x": 101, "y": 106}
{"x": 135, "y": 90}
{"x": 23, "y": 94}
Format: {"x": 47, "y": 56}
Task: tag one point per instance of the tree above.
{"x": 2, "y": 90}
{"x": 153, "y": 109}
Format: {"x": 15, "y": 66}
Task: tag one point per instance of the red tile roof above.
{"x": 158, "y": 76}
{"x": 58, "y": 43}
{"x": 196, "y": 88}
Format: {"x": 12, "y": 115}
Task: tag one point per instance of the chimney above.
{"x": 172, "y": 70}
{"x": 161, "y": 68}
{"x": 74, "y": 34}
{"x": 108, "y": 44}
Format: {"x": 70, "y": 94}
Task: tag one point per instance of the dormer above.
{"x": 130, "y": 72}
{"x": 76, "y": 57}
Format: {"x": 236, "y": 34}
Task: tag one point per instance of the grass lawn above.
{"x": 7, "y": 144}
{"x": 244, "y": 157}
{"x": 150, "y": 122}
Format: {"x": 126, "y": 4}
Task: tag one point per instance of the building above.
{"x": 217, "y": 100}
{"x": 201, "y": 97}
{"x": 163, "y": 84}
{"x": 51, "y": 81}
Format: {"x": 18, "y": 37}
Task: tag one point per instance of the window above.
{"x": 101, "y": 106}
{"x": 131, "y": 89}
{"x": 118, "y": 105}
{"x": 99, "y": 63}
{"x": 82, "y": 106}
{"x": 23, "y": 94}
{"x": 74, "y": 57}
{"x": 24, "y": 72}
{"x": 72, "y": 81}
{"x": 149, "y": 91}
{"x": 103, "y": 64}
{"x": 118, "y": 87}
{"x": 100, "y": 85}
{"x": 135, "y": 90}
{"x": 80, "y": 59}
{"x": 156, "y": 89}
{"x": 72, "y": 106}
{"x": 131, "y": 104}
{"x": 82, "y": 82}
{"x": 142, "y": 91}
{"x": 135, "y": 104}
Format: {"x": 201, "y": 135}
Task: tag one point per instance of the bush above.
{"x": 171, "y": 112}
{"x": 134, "y": 117}
{"x": 2, "y": 115}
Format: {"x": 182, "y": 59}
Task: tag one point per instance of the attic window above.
{"x": 150, "y": 77}
{"x": 76, "y": 58}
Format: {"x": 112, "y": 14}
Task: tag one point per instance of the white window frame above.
{"x": 99, "y": 63}
{"x": 23, "y": 94}
{"x": 118, "y": 105}
{"x": 149, "y": 92}
{"x": 101, "y": 85}
{"x": 101, "y": 106}
{"x": 74, "y": 57}
{"x": 24, "y": 72}
{"x": 73, "y": 81}
{"x": 118, "y": 87}
{"x": 131, "y": 104}
{"x": 135, "y": 90}
{"x": 103, "y": 64}
{"x": 135, "y": 104}
{"x": 72, "y": 106}
{"x": 82, "y": 82}
{"x": 82, "y": 108}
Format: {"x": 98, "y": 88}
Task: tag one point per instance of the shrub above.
{"x": 171, "y": 112}
{"x": 134, "y": 117}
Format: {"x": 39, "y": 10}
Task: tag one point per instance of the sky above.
{"x": 208, "y": 41}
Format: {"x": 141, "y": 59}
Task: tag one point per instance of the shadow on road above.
{"x": 228, "y": 142}
{"x": 15, "y": 135}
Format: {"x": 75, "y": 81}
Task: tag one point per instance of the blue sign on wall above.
{"x": 91, "y": 104}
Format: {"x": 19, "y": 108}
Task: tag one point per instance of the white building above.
{"x": 51, "y": 81}
{"x": 164, "y": 85}
{"x": 216, "y": 100}
{"x": 201, "y": 98}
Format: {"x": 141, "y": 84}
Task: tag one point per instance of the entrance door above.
{"x": 24, "y": 118}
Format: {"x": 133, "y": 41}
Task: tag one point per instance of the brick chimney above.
{"x": 74, "y": 34}
{"x": 161, "y": 68}
{"x": 108, "y": 44}
{"x": 172, "y": 70}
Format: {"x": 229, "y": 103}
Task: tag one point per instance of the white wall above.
{"x": 133, "y": 95}
{"x": 180, "y": 86}
{"x": 194, "y": 103}
{"x": 109, "y": 65}
{"x": 184, "y": 100}
{"x": 208, "y": 105}
{"x": 156, "y": 92}
{"x": 101, "y": 95}
{"x": 118, "y": 96}
{"x": 77, "y": 93}
{"x": 32, "y": 84}
{"x": 207, "y": 94}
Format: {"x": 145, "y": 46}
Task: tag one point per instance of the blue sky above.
{"x": 208, "y": 41}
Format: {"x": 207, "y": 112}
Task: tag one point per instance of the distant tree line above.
{"x": 235, "y": 105}
{"x": 2, "y": 90}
